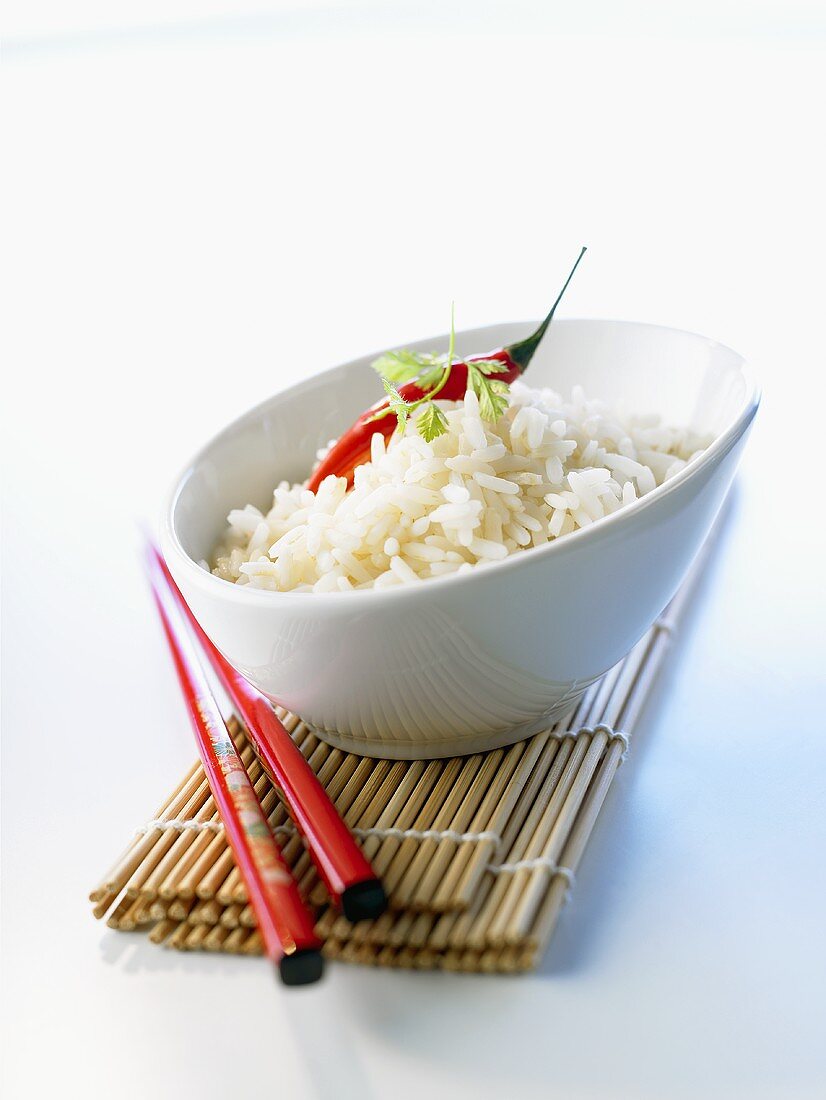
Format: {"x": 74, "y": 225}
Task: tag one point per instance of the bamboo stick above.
{"x": 196, "y": 936}
{"x": 463, "y": 792}
{"x": 325, "y": 924}
{"x": 461, "y": 879}
{"x": 451, "y": 960}
{"x": 400, "y": 931}
{"x": 630, "y": 670}
{"x": 638, "y": 695}
{"x": 226, "y": 894}
{"x": 476, "y": 935}
{"x": 195, "y": 913}
{"x": 168, "y": 888}
{"x": 360, "y": 933}
{"x": 469, "y": 961}
{"x": 216, "y": 938}
{"x": 210, "y": 911}
{"x": 149, "y": 879}
{"x": 331, "y": 949}
{"x": 403, "y": 960}
{"x": 162, "y": 930}
{"x": 548, "y": 914}
{"x": 230, "y": 916}
{"x": 491, "y": 776}
{"x": 424, "y": 960}
{"x": 420, "y": 931}
{"x": 534, "y": 890}
{"x": 179, "y": 908}
{"x": 386, "y": 957}
{"x": 167, "y": 810}
{"x": 103, "y": 903}
{"x": 454, "y": 927}
{"x": 178, "y": 938}
{"x": 491, "y": 897}
{"x": 517, "y": 882}
{"x": 188, "y": 801}
{"x": 114, "y": 918}
{"x": 404, "y": 802}
{"x": 215, "y": 877}
{"x": 235, "y": 940}
{"x": 252, "y": 945}
{"x": 205, "y": 860}
{"x": 403, "y": 851}
{"x": 348, "y": 953}
{"x": 366, "y": 956}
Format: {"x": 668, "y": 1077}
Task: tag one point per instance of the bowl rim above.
{"x": 717, "y": 449}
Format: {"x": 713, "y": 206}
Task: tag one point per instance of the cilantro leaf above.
{"x": 425, "y": 368}
{"x": 492, "y": 393}
{"x": 396, "y": 404}
{"x": 490, "y": 366}
{"x": 430, "y": 376}
{"x": 431, "y": 422}
{"x": 400, "y": 366}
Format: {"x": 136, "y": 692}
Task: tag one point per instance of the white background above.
{"x": 204, "y": 202}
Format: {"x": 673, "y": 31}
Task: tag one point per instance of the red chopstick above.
{"x": 285, "y": 923}
{"x": 348, "y": 876}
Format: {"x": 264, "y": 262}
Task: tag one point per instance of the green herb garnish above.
{"x": 431, "y": 422}
{"x": 431, "y": 372}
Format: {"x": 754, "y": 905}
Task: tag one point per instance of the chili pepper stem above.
{"x": 523, "y": 351}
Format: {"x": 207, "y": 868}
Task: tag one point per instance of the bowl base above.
{"x": 439, "y": 749}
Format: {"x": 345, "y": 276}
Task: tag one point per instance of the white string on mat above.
{"x": 556, "y": 869}
{"x": 600, "y": 727}
{"x": 430, "y": 834}
{"x": 397, "y": 834}
{"x": 179, "y": 824}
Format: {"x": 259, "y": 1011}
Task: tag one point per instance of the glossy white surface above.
{"x": 471, "y": 663}
{"x": 167, "y": 264}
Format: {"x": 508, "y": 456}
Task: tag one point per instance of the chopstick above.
{"x": 349, "y": 878}
{"x": 285, "y": 923}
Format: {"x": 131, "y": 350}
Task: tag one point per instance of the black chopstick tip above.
{"x": 301, "y": 967}
{"x": 364, "y": 900}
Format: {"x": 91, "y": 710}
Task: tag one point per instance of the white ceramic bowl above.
{"x": 460, "y": 664}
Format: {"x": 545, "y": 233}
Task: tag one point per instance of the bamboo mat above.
{"x": 478, "y": 854}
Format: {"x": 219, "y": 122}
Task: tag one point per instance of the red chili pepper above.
{"x": 353, "y": 447}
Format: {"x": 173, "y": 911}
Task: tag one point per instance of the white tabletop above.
{"x": 201, "y": 210}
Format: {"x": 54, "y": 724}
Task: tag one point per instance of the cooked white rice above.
{"x": 472, "y": 496}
